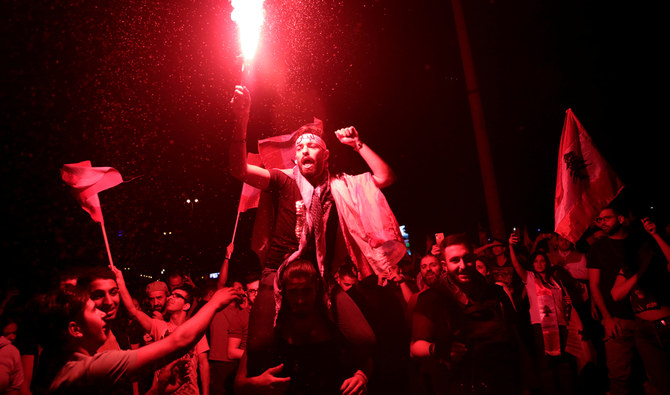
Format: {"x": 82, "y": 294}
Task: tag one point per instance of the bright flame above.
{"x": 248, "y": 14}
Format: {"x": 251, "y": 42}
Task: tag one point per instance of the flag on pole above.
{"x": 278, "y": 152}
{"x": 585, "y": 183}
{"x": 87, "y": 181}
{"x": 250, "y": 195}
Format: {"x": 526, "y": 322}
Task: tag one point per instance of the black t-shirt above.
{"x": 430, "y": 319}
{"x": 291, "y": 217}
{"x": 319, "y": 367}
{"x": 286, "y": 199}
{"x": 484, "y": 326}
{"x": 652, "y": 290}
{"x": 610, "y": 255}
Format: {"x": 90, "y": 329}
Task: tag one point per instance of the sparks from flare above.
{"x": 248, "y": 15}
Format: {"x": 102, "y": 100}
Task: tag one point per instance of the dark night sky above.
{"x": 143, "y": 86}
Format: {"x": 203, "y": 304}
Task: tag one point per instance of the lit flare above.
{"x": 248, "y": 14}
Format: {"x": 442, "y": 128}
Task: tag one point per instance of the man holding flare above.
{"x": 321, "y": 217}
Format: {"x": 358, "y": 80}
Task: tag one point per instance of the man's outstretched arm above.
{"x": 184, "y": 337}
{"x": 650, "y": 227}
{"x": 381, "y": 171}
{"x": 237, "y": 162}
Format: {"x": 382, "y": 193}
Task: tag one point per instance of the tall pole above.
{"x": 496, "y": 224}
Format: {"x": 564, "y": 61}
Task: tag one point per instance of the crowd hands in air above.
{"x": 458, "y": 316}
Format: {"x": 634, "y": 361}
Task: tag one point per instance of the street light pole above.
{"x": 496, "y": 223}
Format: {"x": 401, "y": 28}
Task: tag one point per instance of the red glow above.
{"x": 248, "y": 14}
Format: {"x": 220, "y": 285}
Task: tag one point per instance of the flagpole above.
{"x": 104, "y": 236}
{"x": 237, "y": 220}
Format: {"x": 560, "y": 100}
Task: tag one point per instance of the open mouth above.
{"x": 308, "y": 163}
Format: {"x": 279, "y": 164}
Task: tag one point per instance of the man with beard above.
{"x": 310, "y": 182}
{"x": 425, "y": 372}
{"x": 430, "y": 270}
{"x": 464, "y": 326}
{"x": 604, "y": 260}
{"x": 177, "y": 307}
{"x": 157, "y": 293}
{"x": 321, "y": 218}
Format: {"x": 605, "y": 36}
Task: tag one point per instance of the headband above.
{"x": 303, "y": 138}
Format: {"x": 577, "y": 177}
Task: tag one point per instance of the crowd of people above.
{"x": 341, "y": 307}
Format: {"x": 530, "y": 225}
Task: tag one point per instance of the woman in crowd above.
{"x": 549, "y": 310}
{"x": 311, "y": 355}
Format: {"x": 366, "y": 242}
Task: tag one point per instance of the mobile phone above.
{"x": 439, "y": 237}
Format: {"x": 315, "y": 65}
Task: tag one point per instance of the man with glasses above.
{"x": 464, "y": 327}
{"x": 178, "y": 304}
{"x": 239, "y": 329}
{"x": 604, "y": 260}
{"x": 78, "y": 329}
{"x": 228, "y": 334}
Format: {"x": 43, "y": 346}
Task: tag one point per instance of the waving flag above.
{"x": 87, "y": 181}
{"x": 585, "y": 183}
{"x": 250, "y": 195}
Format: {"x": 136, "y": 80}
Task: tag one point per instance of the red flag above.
{"x": 87, "y": 181}
{"x": 585, "y": 183}
{"x": 278, "y": 152}
{"x": 250, "y": 195}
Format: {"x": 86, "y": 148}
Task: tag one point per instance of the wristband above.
{"x": 358, "y": 146}
{"x": 360, "y": 373}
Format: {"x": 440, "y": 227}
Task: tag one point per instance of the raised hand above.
{"x": 224, "y": 296}
{"x": 513, "y": 239}
{"x": 240, "y": 103}
{"x": 187, "y": 280}
{"x": 119, "y": 275}
{"x": 229, "y": 250}
{"x": 348, "y": 136}
{"x": 649, "y": 225}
